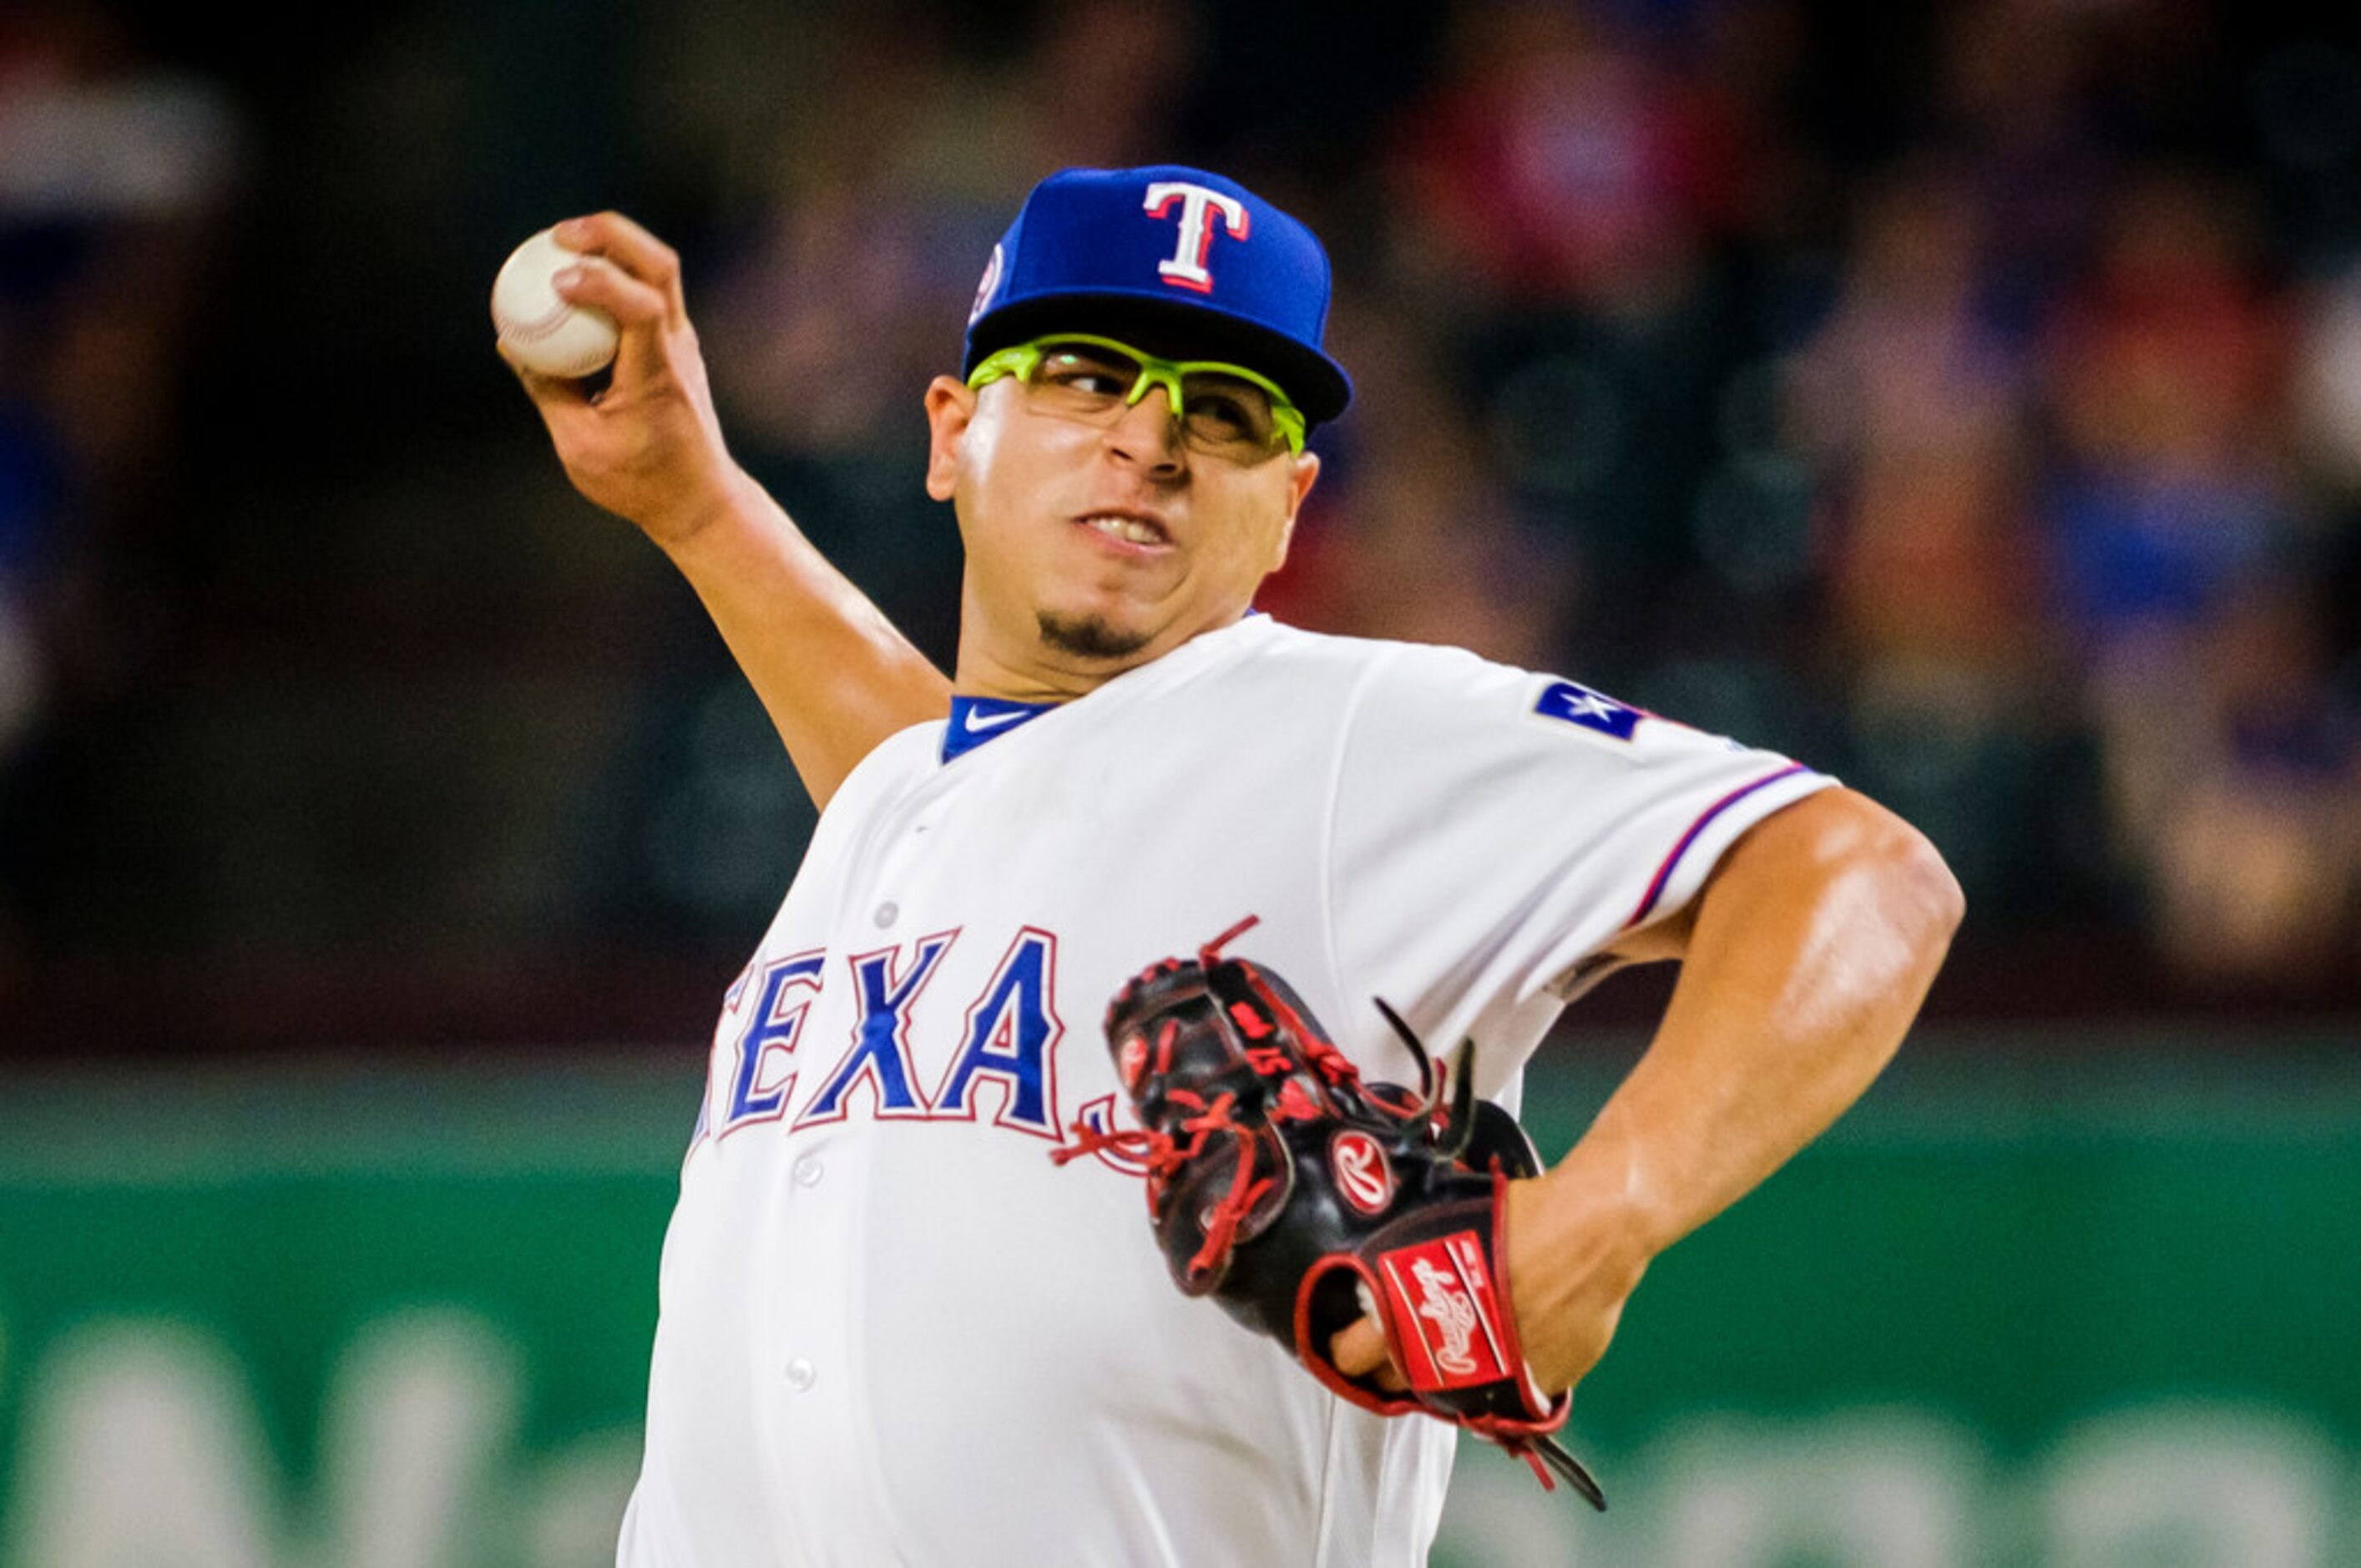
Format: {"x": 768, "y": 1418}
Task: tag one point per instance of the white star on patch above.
{"x": 1586, "y": 709}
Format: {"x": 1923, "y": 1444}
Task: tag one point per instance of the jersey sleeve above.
{"x": 1495, "y": 830}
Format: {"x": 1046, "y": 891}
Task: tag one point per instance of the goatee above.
{"x": 1088, "y": 636}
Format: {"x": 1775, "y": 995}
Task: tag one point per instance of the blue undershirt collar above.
{"x": 975, "y": 719}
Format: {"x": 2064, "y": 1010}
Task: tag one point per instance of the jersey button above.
{"x": 887, "y": 913}
{"x": 808, "y": 1170}
{"x": 800, "y": 1374}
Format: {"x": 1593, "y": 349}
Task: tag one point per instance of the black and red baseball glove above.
{"x": 1302, "y": 1198}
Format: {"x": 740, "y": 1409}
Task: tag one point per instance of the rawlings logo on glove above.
{"x": 1302, "y": 1198}
{"x": 1441, "y": 1297}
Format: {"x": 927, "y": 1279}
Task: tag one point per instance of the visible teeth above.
{"x": 1130, "y": 527}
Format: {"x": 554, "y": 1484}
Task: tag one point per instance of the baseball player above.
{"x": 893, "y": 1328}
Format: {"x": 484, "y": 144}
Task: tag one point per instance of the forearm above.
{"x": 1811, "y": 951}
{"x": 835, "y": 675}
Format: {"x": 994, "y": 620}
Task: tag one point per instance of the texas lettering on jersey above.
{"x": 1003, "y": 1052}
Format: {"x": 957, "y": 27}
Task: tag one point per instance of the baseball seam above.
{"x": 541, "y": 326}
{"x": 546, "y": 326}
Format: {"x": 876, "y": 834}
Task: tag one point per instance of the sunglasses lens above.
{"x": 1221, "y": 414}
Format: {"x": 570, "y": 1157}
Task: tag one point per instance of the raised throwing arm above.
{"x": 836, "y": 676}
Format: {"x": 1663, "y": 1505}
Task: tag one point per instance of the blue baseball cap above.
{"x": 1184, "y": 263}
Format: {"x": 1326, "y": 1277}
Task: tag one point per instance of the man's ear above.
{"x": 950, "y": 406}
{"x": 1300, "y": 483}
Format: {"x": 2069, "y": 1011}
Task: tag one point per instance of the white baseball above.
{"x": 549, "y": 335}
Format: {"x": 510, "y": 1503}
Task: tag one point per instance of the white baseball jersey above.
{"x": 892, "y": 1330}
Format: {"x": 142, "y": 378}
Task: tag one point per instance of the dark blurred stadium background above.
{"x": 1965, "y": 398}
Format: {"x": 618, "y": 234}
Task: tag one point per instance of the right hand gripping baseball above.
{"x": 1302, "y": 1200}
{"x": 647, "y": 445}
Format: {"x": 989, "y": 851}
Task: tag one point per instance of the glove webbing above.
{"x": 1163, "y": 1154}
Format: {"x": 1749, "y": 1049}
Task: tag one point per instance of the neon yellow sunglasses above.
{"x": 1225, "y": 410}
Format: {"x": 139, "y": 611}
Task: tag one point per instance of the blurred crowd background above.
{"x": 1964, "y": 397}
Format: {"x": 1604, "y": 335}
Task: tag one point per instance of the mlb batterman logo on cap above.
{"x": 1179, "y": 260}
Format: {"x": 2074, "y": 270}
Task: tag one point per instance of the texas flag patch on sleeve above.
{"x": 1579, "y": 705}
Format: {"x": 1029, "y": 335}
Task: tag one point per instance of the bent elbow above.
{"x": 1897, "y": 875}
{"x": 1859, "y": 865}
{"x": 1923, "y": 896}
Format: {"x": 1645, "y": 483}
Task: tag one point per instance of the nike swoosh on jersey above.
{"x": 976, "y": 720}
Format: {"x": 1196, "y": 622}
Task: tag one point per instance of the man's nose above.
{"x": 1147, "y": 433}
